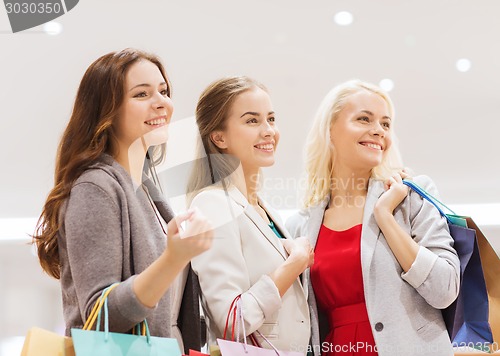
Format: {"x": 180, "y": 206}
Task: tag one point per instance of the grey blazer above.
{"x": 244, "y": 252}
{"x": 403, "y": 308}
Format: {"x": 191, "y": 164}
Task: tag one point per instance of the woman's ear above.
{"x": 218, "y": 139}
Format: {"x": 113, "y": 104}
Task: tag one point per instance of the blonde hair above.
{"x": 319, "y": 157}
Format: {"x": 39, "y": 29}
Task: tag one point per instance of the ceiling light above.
{"x": 463, "y": 65}
{"x": 410, "y": 41}
{"x": 386, "y": 84}
{"x": 343, "y": 18}
{"x": 52, "y": 28}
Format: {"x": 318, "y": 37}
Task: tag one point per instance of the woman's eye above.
{"x": 272, "y": 119}
{"x": 386, "y": 125}
{"x": 142, "y": 94}
{"x": 252, "y": 121}
{"x": 164, "y": 92}
{"x": 364, "y": 118}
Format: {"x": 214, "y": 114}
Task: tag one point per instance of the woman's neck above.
{"x": 247, "y": 182}
{"x": 348, "y": 184}
{"x": 132, "y": 159}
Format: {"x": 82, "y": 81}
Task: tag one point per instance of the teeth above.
{"x": 373, "y": 145}
{"x": 156, "y": 122}
{"x": 265, "y": 147}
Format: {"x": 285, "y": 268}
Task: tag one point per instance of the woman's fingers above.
{"x": 195, "y": 239}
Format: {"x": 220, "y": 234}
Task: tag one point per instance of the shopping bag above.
{"x": 41, "y": 342}
{"x": 491, "y": 269}
{"x": 467, "y": 318}
{"x": 105, "y": 343}
{"x": 233, "y": 348}
{"x": 195, "y": 353}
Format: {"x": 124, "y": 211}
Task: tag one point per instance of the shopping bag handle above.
{"x": 106, "y": 324}
{"x": 431, "y": 199}
{"x": 89, "y": 324}
{"x": 237, "y": 311}
{"x": 101, "y": 302}
{"x": 232, "y": 311}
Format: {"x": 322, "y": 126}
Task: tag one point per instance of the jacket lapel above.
{"x": 275, "y": 217}
{"x": 284, "y": 232}
{"x": 370, "y": 231}
{"x": 315, "y": 220}
{"x": 313, "y": 224}
{"x": 254, "y": 216}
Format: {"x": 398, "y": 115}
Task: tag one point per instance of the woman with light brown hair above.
{"x": 252, "y": 256}
{"x": 105, "y": 221}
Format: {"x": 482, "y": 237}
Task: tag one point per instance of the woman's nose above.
{"x": 160, "y": 101}
{"x": 378, "y": 130}
{"x": 268, "y": 129}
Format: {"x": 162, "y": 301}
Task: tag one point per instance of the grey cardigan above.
{"x": 403, "y": 308}
{"x": 109, "y": 233}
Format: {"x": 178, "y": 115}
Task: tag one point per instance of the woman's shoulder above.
{"x": 210, "y": 194}
{"x": 217, "y": 205}
{"x": 427, "y": 184}
{"x": 105, "y": 176}
{"x": 415, "y": 201}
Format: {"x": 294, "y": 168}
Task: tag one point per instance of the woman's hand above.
{"x": 403, "y": 174}
{"x": 152, "y": 283}
{"x": 395, "y": 192}
{"x": 300, "y": 256}
{"x": 300, "y": 250}
{"x": 197, "y": 237}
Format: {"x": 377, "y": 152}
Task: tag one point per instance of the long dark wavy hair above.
{"x": 89, "y": 134}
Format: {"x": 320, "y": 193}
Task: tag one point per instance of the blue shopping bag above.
{"x": 466, "y": 318}
{"x": 105, "y": 343}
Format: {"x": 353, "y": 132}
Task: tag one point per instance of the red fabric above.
{"x": 338, "y": 285}
{"x": 196, "y": 353}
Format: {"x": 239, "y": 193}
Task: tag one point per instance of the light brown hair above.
{"x": 89, "y": 134}
{"x": 212, "y": 111}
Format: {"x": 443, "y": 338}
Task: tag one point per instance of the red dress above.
{"x": 338, "y": 285}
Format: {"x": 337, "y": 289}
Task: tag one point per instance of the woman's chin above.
{"x": 267, "y": 163}
{"x": 157, "y": 136}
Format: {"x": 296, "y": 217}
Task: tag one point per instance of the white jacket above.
{"x": 244, "y": 252}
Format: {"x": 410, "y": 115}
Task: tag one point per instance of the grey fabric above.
{"x": 405, "y": 304}
{"x": 109, "y": 233}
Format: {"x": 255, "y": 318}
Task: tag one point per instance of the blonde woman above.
{"x": 385, "y": 263}
{"x": 252, "y": 254}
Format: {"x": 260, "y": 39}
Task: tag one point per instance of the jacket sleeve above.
{"x": 435, "y": 271}
{"x": 223, "y": 272}
{"x": 94, "y": 244}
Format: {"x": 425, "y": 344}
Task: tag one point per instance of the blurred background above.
{"x": 439, "y": 60}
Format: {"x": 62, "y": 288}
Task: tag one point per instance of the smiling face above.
{"x": 361, "y": 134}
{"x": 146, "y": 109}
{"x": 251, "y": 134}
